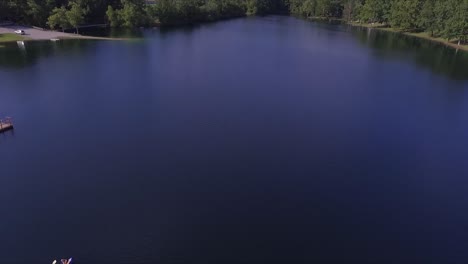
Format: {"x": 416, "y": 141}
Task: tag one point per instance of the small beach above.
{"x": 39, "y": 34}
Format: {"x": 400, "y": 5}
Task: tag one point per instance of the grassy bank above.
{"x": 9, "y": 37}
{"x": 423, "y": 35}
{"x": 96, "y": 38}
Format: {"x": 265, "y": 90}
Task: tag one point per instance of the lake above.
{"x": 253, "y": 140}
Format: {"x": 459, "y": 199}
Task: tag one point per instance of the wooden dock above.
{"x": 6, "y": 125}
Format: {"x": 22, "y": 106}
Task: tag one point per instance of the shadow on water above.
{"x": 16, "y": 56}
{"x": 437, "y": 57}
{"x": 113, "y": 32}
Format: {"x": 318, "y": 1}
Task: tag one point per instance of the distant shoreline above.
{"x": 35, "y": 34}
{"x": 64, "y": 36}
{"x": 26, "y": 39}
{"x": 421, "y": 35}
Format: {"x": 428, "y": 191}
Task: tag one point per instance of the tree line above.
{"x": 65, "y": 14}
{"x": 440, "y": 18}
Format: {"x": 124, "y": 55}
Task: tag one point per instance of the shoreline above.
{"x": 93, "y": 37}
{"x": 26, "y": 39}
{"x": 37, "y": 34}
{"x": 65, "y": 36}
{"x": 421, "y": 35}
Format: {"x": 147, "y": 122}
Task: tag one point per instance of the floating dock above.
{"x": 6, "y": 125}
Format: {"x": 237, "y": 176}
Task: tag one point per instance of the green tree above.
{"x": 351, "y": 9}
{"x": 212, "y": 9}
{"x": 58, "y": 18}
{"x": 167, "y": 12}
{"x": 328, "y": 8}
{"x": 264, "y": 7}
{"x": 295, "y": 7}
{"x": 189, "y": 11}
{"x": 374, "y": 11}
{"x": 133, "y": 13}
{"x": 442, "y": 13}
{"x": 112, "y": 17}
{"x": 252, "y": 8}
{"x": 306, "y": 8}
{"x": 38, "y": 11}
{"x": 404, "y": 14}
{"x": 76, "y": 15}
{"x": 456, "y": 25}
{"x": 427, "y": 18}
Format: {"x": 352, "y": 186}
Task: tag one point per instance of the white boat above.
{"x": 54, "y": 39}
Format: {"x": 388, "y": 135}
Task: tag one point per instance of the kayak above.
{"x": 64, "y": 261}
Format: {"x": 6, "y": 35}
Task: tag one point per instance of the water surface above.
{"x": 254, "y": 140}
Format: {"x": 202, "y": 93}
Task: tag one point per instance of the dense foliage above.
{"x": 443, "y": 18}
{"x": 131, "y": 13}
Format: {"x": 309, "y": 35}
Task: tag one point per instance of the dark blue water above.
{"x": 257, "y": 140}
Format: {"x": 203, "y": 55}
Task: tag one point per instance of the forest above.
{"x": 439, "y": 18}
